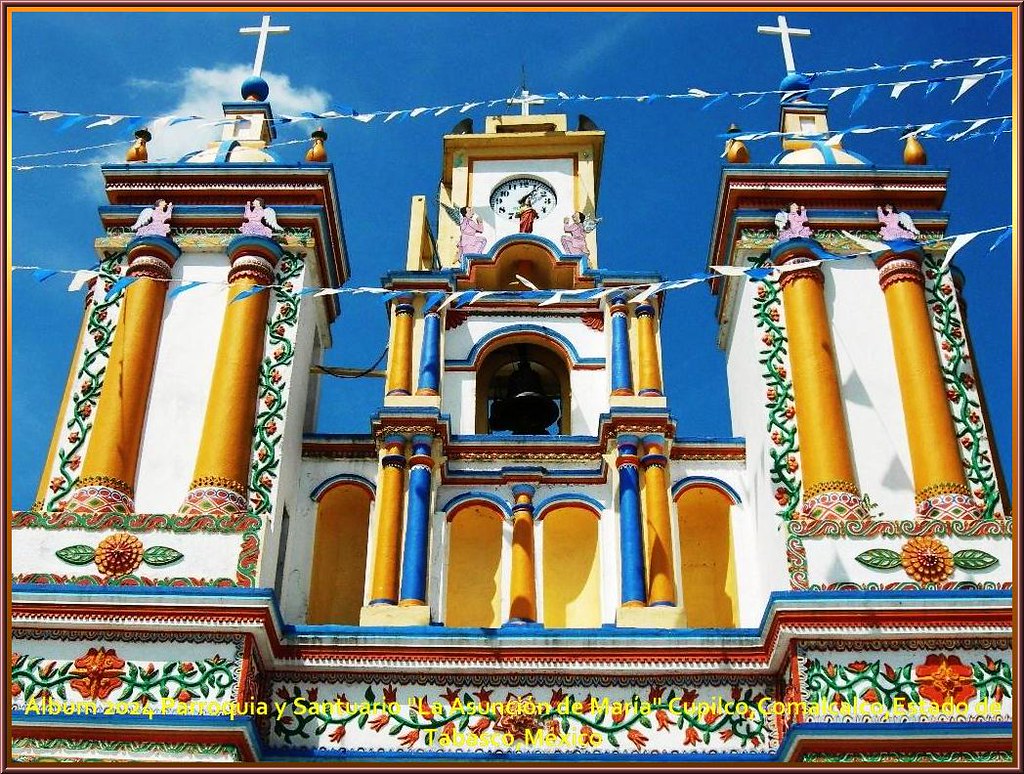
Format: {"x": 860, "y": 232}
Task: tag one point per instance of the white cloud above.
{"x": 202, "y": 91}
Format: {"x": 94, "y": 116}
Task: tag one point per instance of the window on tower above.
{"x": 523, "y": 389}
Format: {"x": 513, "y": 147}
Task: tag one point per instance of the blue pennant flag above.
{"x": 711, "y": 102}
{"x": 118, "y": 286}
{"x": 758, "y": 274}
{"x": 1003, "y": 78}
{"x": 132, "y": 124}
{"x": 249, "y": 292}
{"x": 182, "y": 288}
{"x": 1003, "y": 236}
{"x": 751, "y": 104}
{"x": 433, "y": 299}
{"x": 385, "y": 297}
{"x": 865, "y": 92}
{"x": 307, "y": 291}
{"x": 71, "y": 121}
{"x": 702, "y": 275}
{"x": 998, "y": 63}
{"x": 652, "y": 97}
{"x": 933, "y": 84}
{"x": 41, "y": 275}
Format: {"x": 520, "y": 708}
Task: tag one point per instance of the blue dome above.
{"x": 796, "y": 82}
{"x": 256, "y": 88}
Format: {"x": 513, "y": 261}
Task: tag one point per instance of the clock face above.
{"x": 509, "y": 198}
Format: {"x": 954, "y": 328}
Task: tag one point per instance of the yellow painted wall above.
{"x": 338, "y": 574}
{"x": 572, "y": 568}
{"x": 706, "y": 555}
{"x": 474, "y": 567}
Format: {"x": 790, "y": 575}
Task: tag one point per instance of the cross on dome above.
{"x": 785, "y": 31}
{"x": 264, "y": 31}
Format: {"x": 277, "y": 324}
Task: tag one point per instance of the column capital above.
{"x": 644, "y": 310}
{"x": 898, "y": 267}
{"x": 253, "y": 257}
{"x": 152, "y": 256}
{"x": 794, "y": 257}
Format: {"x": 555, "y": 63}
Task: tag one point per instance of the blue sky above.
{"x": 660, "y": 176}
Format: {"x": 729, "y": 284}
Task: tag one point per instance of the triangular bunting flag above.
{"x": 954, "y": 248}
{"x": 966, "y": 84}
{"x": 182, "y": 288}
{"x": 118, "y": 286}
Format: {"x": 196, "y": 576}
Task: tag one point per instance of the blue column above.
{"x": 417, "y": 525}
{"x": 622, "y": 378}
{"x": 430, "y": 355}
{"x": 634, "y": 591}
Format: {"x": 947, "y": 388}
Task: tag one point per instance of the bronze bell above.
{"x": 525, "y": 409}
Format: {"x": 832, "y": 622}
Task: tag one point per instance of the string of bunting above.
{"x": 157, "y": 123}
{"x": 637, "y": 293}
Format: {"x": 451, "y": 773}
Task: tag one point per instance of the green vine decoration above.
{"x": 750, "y": 728}
{"x": 781, "y": 411}
{"x": 958, "y": 374}
{"x": 273, "y": 381}
{"x": 89, "y": 380}
{"x": 100, "y": 675}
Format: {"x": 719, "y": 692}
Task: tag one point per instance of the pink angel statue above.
{"x": 472, "y": 239}
{"x": 259, "y": 220}
{"x": 575, "y": 240}
{"x": 152, "y": 221}
{"x": 793, "y": 225}
{"x": 896, "y": 225}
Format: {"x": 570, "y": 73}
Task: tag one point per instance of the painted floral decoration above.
{"x": 98, "y": 673}
{"x": 926, "y": 560}
{"x": 943, "y": 678}
{"x": 514, "y": 720}
{"x": 119, "y": 554}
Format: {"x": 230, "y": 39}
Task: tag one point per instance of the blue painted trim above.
{"x": 163, "y": 244}
{"x": 711, "y": 483}
{"x": 564, "y": 344}
{"x": 243, "y": 241}
{"x": 414, "y": 552}
{"x": 465, "y": 497}
{"x": 563, "y": 499}
{"x": 342, "y": 478}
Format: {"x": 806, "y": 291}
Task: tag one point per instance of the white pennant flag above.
{"x": 329, "y": 292}
{"x": 729, "y": 271}
{"x": 954, "y": 248}
{"x": 969, "y": 129}
{"x": 480, "y": 294}
{"x": 365, "y": 117}
{"x": 966, "y": 84}
{"x": 417, "y": 111}
{"x": 868, "y": 244}
{"x": 442, "y": 111}
{"x": 47, "y": 115}
{"x": 527, "y": 282}
{"x": 555, "y": 298}
{"x": 81, "y": 277}
{"x": 923, "y": 128}
{"x": 899, "y": 88}
{"x": 840, "y": 90}
{"x": 393, "y": 114}
{"x": 450, "y": 299}
{"x": 647, "y": 292}
{"x": 680, "y": 284}
{"x": 469, "y": 106}
{"x": 108, "y": 121}
{"x": 794, "y": 265}
{"x": 699, "y": 93}
{"x": 982, "y": 60}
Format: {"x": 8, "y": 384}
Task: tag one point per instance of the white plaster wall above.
{"x": 588, "y": 342}
{"x": 589, "y": 400}
{"x": 183, "y": 372}
{"x": 755, "y": 487}
{"x": 870, "y": 387}
{"x": 558, "y": 173}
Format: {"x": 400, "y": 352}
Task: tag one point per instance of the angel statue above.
{"x": 472, "y": 239}
{"x": 793, "y": 224}
{"x": 896, "y": 224}
{"x": 259, "y": 220}
{"x": 152, "y": 221}
{"x": 576, "y": 228}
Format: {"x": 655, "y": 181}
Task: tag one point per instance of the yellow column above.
{"x": 647, "y": 345}
{"x": 523, "y": 608}
{"x": 399, "y": 380}
{"x": 220, "y": 483}
{"x": 108, "y": 473}
{"x": 939, "y": 481}
{"x": 829, "y": 483}
{"x": 387, "y": 555}
{"x": 661, "y": 584}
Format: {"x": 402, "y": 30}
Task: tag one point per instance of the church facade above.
{"x": 523, "y": 556}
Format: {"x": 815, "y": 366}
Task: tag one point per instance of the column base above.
{"x": 101, "y": 494}
{"x": 664, "y": 617}
{"x": 949, "y": 505}
{"x": 835, "y": 505}
{"x": 213, "y": 500}
{"x": 393, "y": 615}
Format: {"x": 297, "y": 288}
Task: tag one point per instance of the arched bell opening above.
{"x": 523, "y": 389}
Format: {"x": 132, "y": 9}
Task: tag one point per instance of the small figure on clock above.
{"x": 527, "y": 214}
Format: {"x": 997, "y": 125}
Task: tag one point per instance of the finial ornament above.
{"x": 785, "y": 31}
{"x": 138, "y": 150}
{"x": 793, "y": 224}
{"x": 735, "y": 151}
{"x": 913, "y": 151}
{"x": 153, "y": 221}
{"x": 259, "y": 220}
{"x": 896, "y": 224}
{"x": 317, "y": 152}
{"x": 264, "y": 30}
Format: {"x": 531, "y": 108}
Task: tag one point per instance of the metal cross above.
{"x": 784, "y": 31}
{"x": 525, "y": 98}
{"x": 264, "y": 30}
